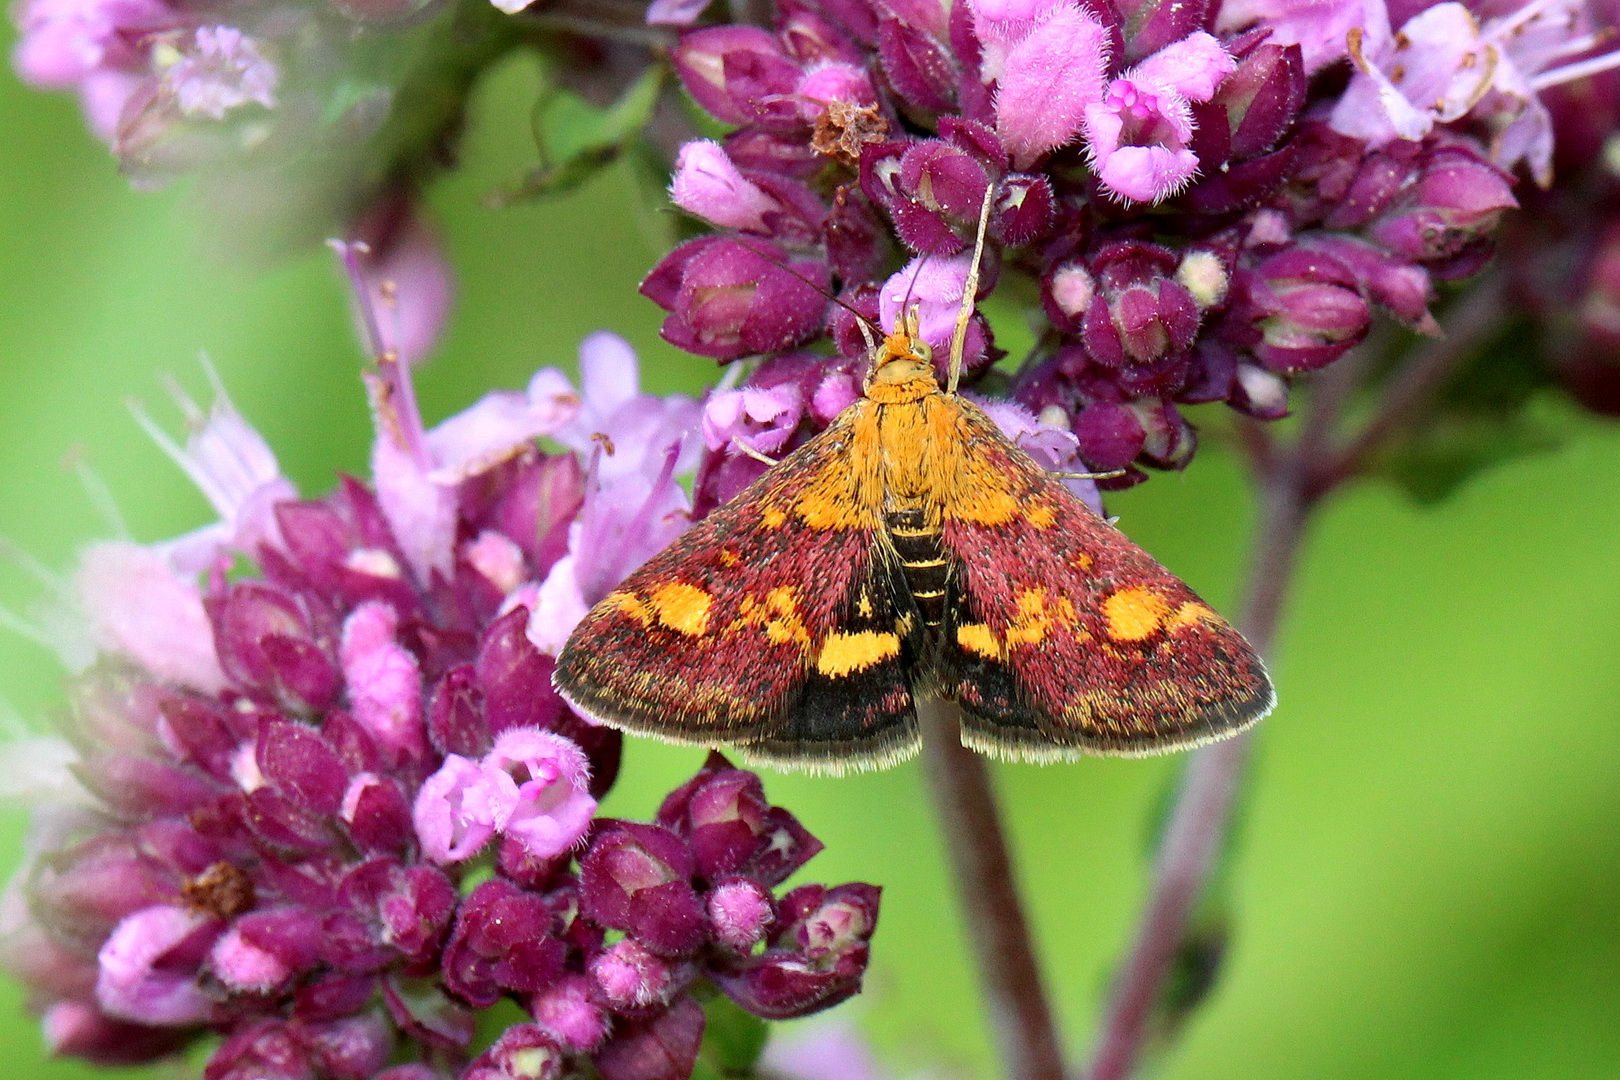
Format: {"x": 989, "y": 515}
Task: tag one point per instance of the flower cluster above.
{"x": 332, "y": 809}
{"x": 1204, "y": 207}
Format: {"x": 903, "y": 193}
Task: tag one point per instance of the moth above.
{"x": 910, "y": 549}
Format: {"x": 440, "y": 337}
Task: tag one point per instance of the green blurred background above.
{"x": 1429, "y": 878}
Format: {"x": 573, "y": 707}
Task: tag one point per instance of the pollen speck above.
{"x": 1134, "y": 614}
{"x": 682, "y": 607}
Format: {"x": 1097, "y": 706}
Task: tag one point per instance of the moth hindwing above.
{"x": 910, "y": 548}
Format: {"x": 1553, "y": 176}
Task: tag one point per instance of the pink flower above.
{"x": 236, "y": 471}
{"x": 456, "y": 811}
{"x": 384, "y": 679}
{"x": 1138, "y": 134}
{"x": 533, "y": 786}
{"x": 1445, "y": 65}
{"x": 760, "y": 418}
{"x": 1049, "y": 61}
{"x": 148, "y": 967}
{"x": 63, "y": 42}
{"x": 631, "y": 429}
{"x": 407, "y": 275}
{"x": 708, "y": 185}
{"x": 551, "y": 807}
{"x": 1319, "y": 27}
{"x": 934, "y": 287}
{"x": 222, "y": 70}
{"x": 140, "y": 607}
{"x": 674, "y": 12}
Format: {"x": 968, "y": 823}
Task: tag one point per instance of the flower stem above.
{"x": 1197, "y": 825}
{"x": 1021, "y": 1019}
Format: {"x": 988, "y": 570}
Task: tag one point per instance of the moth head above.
{"x": 903, "y": 356}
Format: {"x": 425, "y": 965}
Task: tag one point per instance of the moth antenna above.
{"x": 868, "y": 328}
{"x": 1109, "y": 475}
{"x": 969, "y": 290}
{"x": 911, "y": 288}
{"x": 743, "y": 448}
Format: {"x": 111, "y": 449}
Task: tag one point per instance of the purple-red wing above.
{"x": 774, "y": 587}
{"x": 1088, "y": 642}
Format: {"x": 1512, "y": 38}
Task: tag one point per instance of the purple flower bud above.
{"x": 423, "y": 1011}
{"x": 265, "y": 948}
{"x": 1024, "y": 209}
{"x": 378, "y": 815}
{"x": 456, "y": 723}
{"x": 662, "y": 1048}
{"x": 77, "y": 1029}
{"x": 1261, "y": 393}
{"x": 515, "y": 677}
{"x": 1111, "y": 436}
{"x": 730, "y": 70}
{"x": 1308, "y": 310}
{"x": 740, "y": 913}
{"x": 301, "y": 765}
{"x": 727, "y": 300}
{"x": 1454, "y": 206}
{"x": 523, "y": 1052}
{"x": 1261, "y": 98}
{"x": 917, "y": 64}
{"x": 384, "y": 681}
{"x": 91, "y": 887}
{"x": 353, "y": 1048}
{"x": 629, "y": 977}
{"x": 267, "y": 642}
{"x": 817, "y": 957}
{"x": 566, "y": 1012}
{"x": 148, "y": 967}
{"x": 723, "y": 813}
{"x": 1138, "y": 313}
{"x": 502, "y": 941}
{"x": 638, "y": 878}
{"x": 266, "y": 1050}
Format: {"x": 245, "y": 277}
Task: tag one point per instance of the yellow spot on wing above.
{"x": 729, "y": 558}
{"x": 631, "y": 605}
{"x": 844, "y": 653}
{"x": 978, "y": 638}
{"x": 1191, "y": 614}
{"x": 784, "y": 624}
{"x": 682, "y": 607}
{"x": 1040, "y": 515}
{"x": 1036, "y": 618}
{"x": 772, "y": 518}
{"x": 1134, "y": 613}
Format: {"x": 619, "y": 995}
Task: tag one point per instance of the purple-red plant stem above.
{"x": 1197, "y": 824}
{"x": 1026, "y": 1040}
{"x": 1290, "y": 481}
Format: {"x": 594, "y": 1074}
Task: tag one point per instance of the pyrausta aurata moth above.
{"x": 910, "y": 549}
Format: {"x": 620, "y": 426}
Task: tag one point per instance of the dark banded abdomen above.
{"x": 922, "y": 558}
